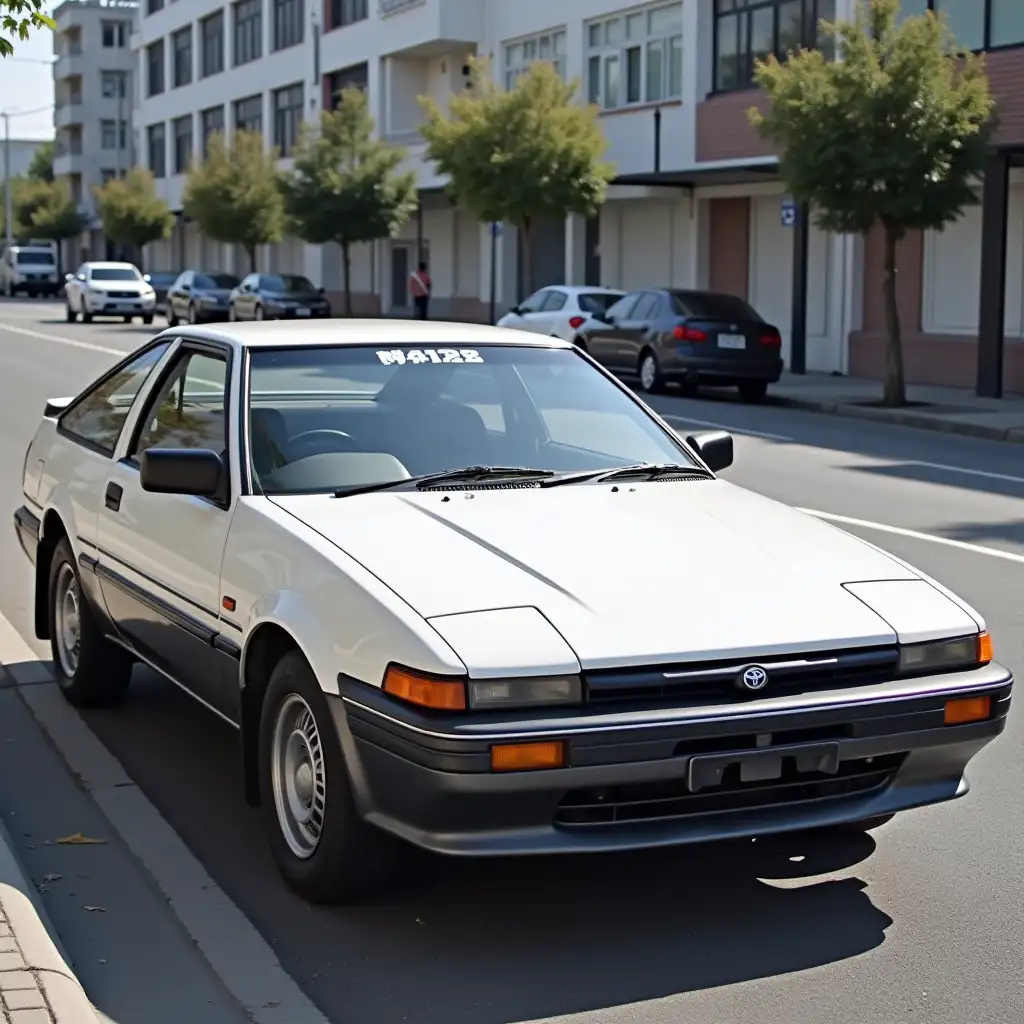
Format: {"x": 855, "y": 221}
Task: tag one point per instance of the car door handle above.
{"x": 112, "y": 499}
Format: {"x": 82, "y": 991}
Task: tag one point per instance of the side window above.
{"x": 185, "y": 281}
{"x": 622, "y": 309}
{"x": 554, "y": 301}
{"x": 476, "y": 388}
{"x": 188, "y": 411}
{"x": 645, "y": 308}
{"x": 98, "y": 416}
{"x": 534, "y": 303}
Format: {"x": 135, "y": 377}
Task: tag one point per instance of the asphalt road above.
{"x": 923, "y": 921}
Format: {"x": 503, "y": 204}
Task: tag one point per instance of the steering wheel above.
{"x": 322, "y": 441}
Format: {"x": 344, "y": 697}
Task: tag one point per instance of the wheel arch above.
{"x": 51, "y": 532}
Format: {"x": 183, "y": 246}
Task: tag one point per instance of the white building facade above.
{"x": 93, "y": 73}
{"x": 697, "y": 202}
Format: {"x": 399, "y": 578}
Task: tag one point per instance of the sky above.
{"x": 26, "y": 84}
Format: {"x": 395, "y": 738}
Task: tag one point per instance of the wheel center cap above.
{"x": 304, "y": 782}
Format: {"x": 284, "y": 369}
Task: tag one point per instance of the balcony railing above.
{"x": 385, "y": 8}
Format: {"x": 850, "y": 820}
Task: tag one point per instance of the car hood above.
{"x": 659, "y": 571}
{"x": 218, "y": 294}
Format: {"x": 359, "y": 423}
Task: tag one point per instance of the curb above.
{"x": 34, "y": 976}
{"x": 903, "y": 418}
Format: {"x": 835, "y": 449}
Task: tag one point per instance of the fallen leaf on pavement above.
{"x": 77, "y": 839}
{"x": 97, "y": 910}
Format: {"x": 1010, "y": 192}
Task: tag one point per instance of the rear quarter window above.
{"x": 713, "y": 305}
{"x": 596, "y": 302}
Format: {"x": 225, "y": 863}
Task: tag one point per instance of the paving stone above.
{"x": 12, "y": 962}
{"x": 12, "y": 980}
{"x": 24, "y": 999}
{"x": 31, "y": 1017}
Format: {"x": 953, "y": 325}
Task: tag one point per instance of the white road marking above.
{"x": 672, "y": 418}
{"x": 899, "y": 531}
{"x": 246, "y": 964}
{"x": 88, "y": 346}
{"x": 970, "y": 472}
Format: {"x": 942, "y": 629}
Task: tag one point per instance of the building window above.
{"x": 636, "y": 57}
{"x": 109, "y": 137}
{"x": 346, "y": 12}
{"x": 287, "y": 117}
{"x": 114, "y": 84}
{"x": 249, "y": 114}
{"x": 355, "y": 77}
{"x": 519, "y": 55}
{"x": 751, "y": 30}
{"x": 248, "y": 31}
{"x": 108, "y": 174}
{"x": 115, "y": 34}
{"x": 288, "y": 22}
{"x": 211, "y": 122}
{"x": 182, "y": 132}
{"x": 211, "y": 45}
{"x": 155, "y": 68}
{"x": 977, "y": 24}
{"x": 156, "y": 149}
{"x": 152, "y": 6}
{"x": 181, "y": 46}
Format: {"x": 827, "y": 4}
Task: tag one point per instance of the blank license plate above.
{"x": 302, "y": 311}
{"x": 732, "y": 341}
{"x": 761, "y": 765}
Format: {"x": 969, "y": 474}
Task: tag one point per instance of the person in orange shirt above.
{"x": 419, "y": 287}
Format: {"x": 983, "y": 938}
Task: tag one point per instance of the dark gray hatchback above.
{"x": 689, "y": 338}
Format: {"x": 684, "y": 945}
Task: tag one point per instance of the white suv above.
{"x": 109, "y": 289}
{"x": 31, "y": 269}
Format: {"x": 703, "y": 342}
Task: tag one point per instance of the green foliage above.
{"x": 234, "y": 195}
{"x": 42, "y": 162}
{"x": 532, "y": 152}
{"x": 45, "y": 209}
{"x": 894, "y": 134}
{"x": 131, "y": 211}
{"x": 18, "y": 18}
{"x": 345, "y": 185}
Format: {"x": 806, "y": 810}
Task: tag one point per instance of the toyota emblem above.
{"x": 753, "y": 678}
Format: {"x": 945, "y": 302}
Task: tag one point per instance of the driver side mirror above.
{"x": 321, "y": 291}
{"x": 195, "y": 471}
{"x": 516, "y": 311}
{"x": 714, "y": 447}
{"x": 146, "y": 278}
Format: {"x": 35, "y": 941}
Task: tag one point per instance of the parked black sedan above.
{"x": 161, "y": 281}
{"x": 667, "y": 335}
{"x": 200, "y": 296}
{"x": 277, "y": 297}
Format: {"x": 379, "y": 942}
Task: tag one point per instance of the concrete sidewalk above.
{"x": 950, "y": 410}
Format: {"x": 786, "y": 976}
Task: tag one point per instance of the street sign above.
{"x": 787, "y": 212}
{"x": 495, "y": 228}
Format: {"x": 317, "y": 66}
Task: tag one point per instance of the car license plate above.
{"x": 302, "y": 311}
{"x": 761, "y": 765}
{"x": 732, "y": 341}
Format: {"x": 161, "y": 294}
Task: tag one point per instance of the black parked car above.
{"x": 667, "y": 335}
{"x": 161, "y": 281}
{"x": 277, "y": 297}
{"x": 199, "y": 296}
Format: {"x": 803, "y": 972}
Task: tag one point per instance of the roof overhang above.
{"x": 724, "y": 172}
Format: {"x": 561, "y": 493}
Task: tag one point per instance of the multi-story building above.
{"x": 697, "y": 200}
{"x": 92, "y": 108}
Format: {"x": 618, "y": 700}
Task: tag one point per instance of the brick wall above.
{"x": 724, "y": 131}
{"x": 729, "y": 246}
{"x": 1006, "y": 77}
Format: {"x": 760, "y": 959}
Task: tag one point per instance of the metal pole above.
{"x": 494, "y": 270}
{"x": 120, "y": 111}
{"x": 8, "y": 198}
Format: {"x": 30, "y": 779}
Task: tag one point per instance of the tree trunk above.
{"x": 250, "y": 251}
{"x": 526, "y": 241}
{"x": 895, "y": 386}
{"x": 346, "y": 267}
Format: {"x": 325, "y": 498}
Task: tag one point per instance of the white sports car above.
{"x": 396, "y": 557}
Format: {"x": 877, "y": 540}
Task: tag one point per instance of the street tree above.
{"x": 345, "y": 186}
{"x": 522, "y": 155}
{"x": 234, "y": 194}
{"x": 42, "y": 162}
{"x": 894, "y": 135}
{"x": 45, "y": 209}
{"x": 132, "y": 212}
{"x": 18, "y": 18}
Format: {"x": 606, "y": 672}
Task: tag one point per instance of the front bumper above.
{"x": 119, "y": 306}
{"x": 427, "y": 778}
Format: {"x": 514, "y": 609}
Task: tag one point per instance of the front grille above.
{"x": 122, "y": 295}
{"x": 637, "y": 803}
{"x": 716, "y": 682}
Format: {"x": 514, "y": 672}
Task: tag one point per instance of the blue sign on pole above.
{"x": 496, "y": 228}
{"x": 787, "y": 212}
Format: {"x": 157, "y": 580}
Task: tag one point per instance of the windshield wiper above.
{"x": 639, "y": 470}
{"x": 465, "y": 475}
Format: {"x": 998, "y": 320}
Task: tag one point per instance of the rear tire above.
{"x": 322, "y": 846}
{"x": 753, "y": 391}
{"x": 651, "y": 379}
{"x": 172, "y": 320}
{"x": 147, "y": 319}
{"x": 127, "y": 319}
{"x": 90, "y": 671}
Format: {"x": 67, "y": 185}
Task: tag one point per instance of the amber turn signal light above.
{"x": 985, "y": 651}
{"x": 527, "y": 757}
{"x": 968, "y": 709}
{"x": 427, "y": 692}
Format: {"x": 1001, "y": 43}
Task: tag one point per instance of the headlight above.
{"x": 946, "y": 655}
{"x": 491, "y": 694}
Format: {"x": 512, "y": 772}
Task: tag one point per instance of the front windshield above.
{"x": 321, "y": 419}
{"x": 115, "y": 274}
{"x": 224, "y": 282}
{"x": 36, "y": 258}
{"x": 287, "y": 283}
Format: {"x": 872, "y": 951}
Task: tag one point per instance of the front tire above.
{"x": 90, "y": 671}
{"x": 147, "y": 319}
{"x": 651, "y": 379}
{"x": 192, "y": 316}
{"x": 322, "y": 846}
{"x": 86, "y": 315}
{"x": 70, "y": 314}
{"x": 259, "y": 313}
